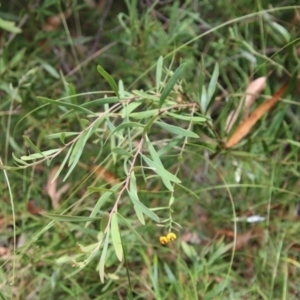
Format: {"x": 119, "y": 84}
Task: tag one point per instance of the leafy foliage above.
{"x": 130, "y": 114}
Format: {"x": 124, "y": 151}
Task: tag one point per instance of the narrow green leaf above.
{"x": 19, "y": 160}
{"x": 144, "y": 114}
{"x": 87, "y": 249}
{"x": 128, "y": 108}
{"x": 101, "y": 101}
{"x": 212, "y": 85}
{"x": 133, "y": 191}
{"x": 189, "y": 250}
{"x": 149, "y": 124}
{"x": 62, "y": 138}
{"x": 295, "y": 143}
{"x": 204, "y": 99}
{"x": 121, "y": 151}
{"x": 112, "y": 127}
{"x": 159, "y": 68}
{"x": 64, "y": 218}
{"x": 169, "y": 86}
{"x": 216, "y": 291}
{"x": 48, "y": 68}
{"x": 18, "y": 57}
{"x": 94, "y": 189}
{"x": 121, "y": 89}
{"x": 201, "y": 84}
{"x": 102, "y": 200}
{"x": 67, "y": 104}
{"x": 169, "y": 146}
{"x": 142, "y": 207}
{"x": 187, "y": 118}
{"x": 58, "y": 135}
{"x": 9, "y": 26}
{"x": 156, "y": 159}
{"x": 139, "y": 214}
{"x": 40, "y": 155}
{"x": 160, "y": 170}
{"x": 72, "y": 91}
{"x": 126, "y": 125}
{"x": 109, "y": 79}
{"x": 116, "y": 237}
{"x": 281, "y": 30}
{"x": 177, "y": 130}
{"x": 84, "y": 123}
{"x": 152, "y": 151}
{"x": 132, "y": 184}
{"x": 102, "y": 258}
{"x": 62, "y": 164}
{"x": 32, "y": 145}
{"x": 77, "y": 151}
{"x": 104, "y": 221}
{"x": 79, "y": 146}
{"x": 146, "y": 96}
{"x": 132, "y": 229}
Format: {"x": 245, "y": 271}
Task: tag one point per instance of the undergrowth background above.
{"x": 234, "y": 209}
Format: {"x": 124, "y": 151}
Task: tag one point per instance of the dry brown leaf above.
{"x": 95, "y": 4}
{"x": 33, "y": 209}
{"x": 2, "y": 222}
{"x": 231, "y": 119}
{"x": 252, "y": 92}
{"x": 4, "y": 252}
{"x": 51, "y": 188}
{"x": 191, "y": 237}
{"x": 226, "y": 232}
{"x": 53, "y": 22}
{"x": 242, "y": 240}
{"x": 244, "y": 128}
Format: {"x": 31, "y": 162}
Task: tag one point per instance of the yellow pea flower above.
{"x": 171, "y": 236}
{"x": 163, "y": 240}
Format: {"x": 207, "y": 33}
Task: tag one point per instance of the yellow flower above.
{"x": 171, "y": 236}
{"x": 163, "y": 240}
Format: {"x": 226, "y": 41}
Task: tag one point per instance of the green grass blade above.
{"x": 159, "y": 68}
